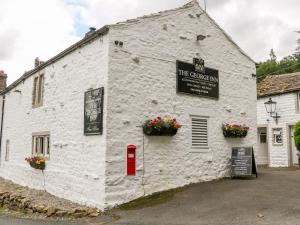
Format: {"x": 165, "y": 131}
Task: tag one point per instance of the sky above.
{"x": 43, "y": 28}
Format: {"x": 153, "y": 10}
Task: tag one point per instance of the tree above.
{"x": 268, "y": 67}
{"x": 289, "y": 64}
{"x": 272, "y": 55}
{"x": 297, "y": 135}
{"x": 297, "y": 51}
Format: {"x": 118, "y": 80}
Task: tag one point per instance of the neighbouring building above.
{"x": 83, "y": 107}
{"x": 276, "y": 146}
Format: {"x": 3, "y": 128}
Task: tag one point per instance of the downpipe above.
{"x": 1, "y": 129}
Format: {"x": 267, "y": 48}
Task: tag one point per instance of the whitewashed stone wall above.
{"x": 287, "y": 110}
{"x": 76, "y": 169}
{"x": 142, "y": 85}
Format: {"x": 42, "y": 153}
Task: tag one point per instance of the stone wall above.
{"x": 142, "y": 85}
{"x": 76, "y": 167}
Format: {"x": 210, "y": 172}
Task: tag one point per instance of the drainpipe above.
{"x": 1, "y": 129}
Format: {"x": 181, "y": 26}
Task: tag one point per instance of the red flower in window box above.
{"x": 234, "y": 130}
{"x": 161, "y": 127}
{"x": 36, "y": 162}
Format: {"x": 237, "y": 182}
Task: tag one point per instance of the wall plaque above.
{"x": 196, "y": 79}
{"x": 93, "y": 111}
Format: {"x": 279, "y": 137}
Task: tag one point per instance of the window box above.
{"x": 234, "y": 130}
{"x": 161, "y": 127}
{"x": 36, "y": 162}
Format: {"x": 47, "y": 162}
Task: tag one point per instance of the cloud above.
{"x": 9, "y": 37}
{"x": 256, "y": 25}
{"x": 32, "y": 28}
{"x": 101, "y": 12}
{"x": 259, "y": 25}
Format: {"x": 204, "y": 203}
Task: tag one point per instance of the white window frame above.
{"x": 275, "y": 133}
{"x": 38, "y": 139}
{"x": 38, "y": 90}
{"x": 204, "y": 148}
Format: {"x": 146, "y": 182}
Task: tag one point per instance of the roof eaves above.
{"x": 85, "y": 40}
{"x": 278, "y": 93}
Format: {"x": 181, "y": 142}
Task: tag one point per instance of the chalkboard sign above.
{"x": 243, "y": 162}
{"x": 195, "y": 79}
{"x": 93, "y": 111}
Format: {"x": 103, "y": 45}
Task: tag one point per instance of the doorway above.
{"x": 263, "y": 153}
{"x": 293, "y": 150}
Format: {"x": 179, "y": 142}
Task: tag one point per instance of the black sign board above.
{"x": 93, "y": 111}
{"x": 196, "y": 79}
{"x": 243, "y": 162}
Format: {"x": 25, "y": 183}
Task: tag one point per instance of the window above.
{"x": 298, "y": 102}
{"x": 277, "y": 136}
{"x": 41, "y": 144}
{"x": 199, "y": 132}
{"x": 7, "y": 151}
{"x": 263, "y": 138}
{"x": 38, "y": 90}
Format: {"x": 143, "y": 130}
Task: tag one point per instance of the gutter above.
{"x": 278, "y": 93}
{"x": 1, "y": 129}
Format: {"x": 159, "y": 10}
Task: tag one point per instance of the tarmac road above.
{"x": 273, "y": 198}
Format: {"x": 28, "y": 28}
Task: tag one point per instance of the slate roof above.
{"x": 104, "y": 30}
{"x": 279, "y": 84}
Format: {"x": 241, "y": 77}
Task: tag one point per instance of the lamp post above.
{"x": 270, "y": 106}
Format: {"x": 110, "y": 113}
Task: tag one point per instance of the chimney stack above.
{"x": 37, "y": 62}
{"x": 3, "y": 77}
{"x": 91, "y": 31}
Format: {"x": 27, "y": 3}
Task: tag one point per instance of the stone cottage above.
{"x": 82, "y": 108}
{"x": 276, "y": 147}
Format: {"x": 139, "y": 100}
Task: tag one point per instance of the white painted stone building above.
{"x": 135, "y": 62}
{"x": 276, "y": 147}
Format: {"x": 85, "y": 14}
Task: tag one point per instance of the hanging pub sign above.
{"x": 196, "y": 79}
{"x": 93, "y": 111}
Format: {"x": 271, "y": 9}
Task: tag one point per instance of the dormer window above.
{"x": 38, "y": 90}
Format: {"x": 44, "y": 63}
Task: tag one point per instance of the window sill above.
{"x": 37, "y": 106}
{"x": 200, "y": 150}
{"x": 275, "y": 144}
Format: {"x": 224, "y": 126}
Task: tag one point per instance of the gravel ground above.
{"x": 40, "y": 202}
{"x": 37, "y": 196}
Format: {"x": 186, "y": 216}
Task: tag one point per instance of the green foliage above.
{"x": 289, "y": 64}
{"x": 266, "y": 68}
{"x": 297, "y": 135}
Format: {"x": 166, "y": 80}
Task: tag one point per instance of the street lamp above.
{"x": 270, "y": 106}
{"x": 271, "y": 109}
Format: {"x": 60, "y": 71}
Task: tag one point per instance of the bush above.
{"x": 297, "y": 135}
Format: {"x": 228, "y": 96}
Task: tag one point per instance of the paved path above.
{"x": 273, "y": 198}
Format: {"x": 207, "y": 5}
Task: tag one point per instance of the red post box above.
{"x": 131, "y": 160}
